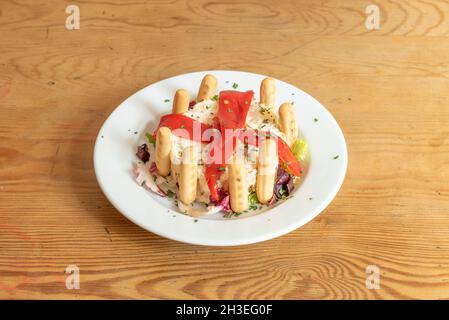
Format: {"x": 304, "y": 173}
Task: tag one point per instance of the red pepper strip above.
{"x": 285, "y": 155}
{"x": 233, "y": 108}
{"x": 179, "y": 121}
{"x": 287, "y": 159}
{"x": 216, "y": 167}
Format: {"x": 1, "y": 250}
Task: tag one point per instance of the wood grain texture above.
{"x": 387, "y": 88}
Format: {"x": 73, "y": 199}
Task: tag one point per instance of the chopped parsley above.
{"x": 315, "y": 119}
{"x": 167, "y": 100}
{"x": 170, "y": 193}
{"x": 253, "y": 201}
{"x": 336, "y": 157}
{"x": 221, "y": 169}
{"x": 150, "y": 138}
{"x": 235, "y": 85}
{"x": 196, "y": 220}
{"x": 215, "y": 98}
{"x": 182, "y": 126}
{"x": 263, "y": 110}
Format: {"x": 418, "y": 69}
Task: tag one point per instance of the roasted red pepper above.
{"x": 179, "y": 121}
{"x": 287, "y": 158}
{"x": 216, "y": 164}
{"x": 233, "y": 107}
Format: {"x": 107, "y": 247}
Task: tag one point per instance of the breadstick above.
{"x": 181, "y": 101}
{"x": 188, "y": 176}
{"x": 268, "y": 92}
{"x": 266, "y": 171}
{"x": 163, "y": 148}
{"x": 238, "y": 189}
{"x": 287, "y": 119}
{"x": 208, "y": 88}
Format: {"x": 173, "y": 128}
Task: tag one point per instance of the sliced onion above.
{"x": 144, "y": 177}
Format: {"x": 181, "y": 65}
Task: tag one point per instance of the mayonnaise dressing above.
{"x": 203, "y": 111}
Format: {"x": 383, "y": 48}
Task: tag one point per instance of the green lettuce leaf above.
{"x": 299, "y": 149}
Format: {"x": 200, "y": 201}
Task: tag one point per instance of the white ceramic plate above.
{"x": 115, "y": 149}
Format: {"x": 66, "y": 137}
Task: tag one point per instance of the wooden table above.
{"x": 387, "y": 88}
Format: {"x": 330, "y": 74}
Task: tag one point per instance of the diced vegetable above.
{"x": 142, "y": 153}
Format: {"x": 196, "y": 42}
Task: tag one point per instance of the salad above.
{"x": 223, "y": 151}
